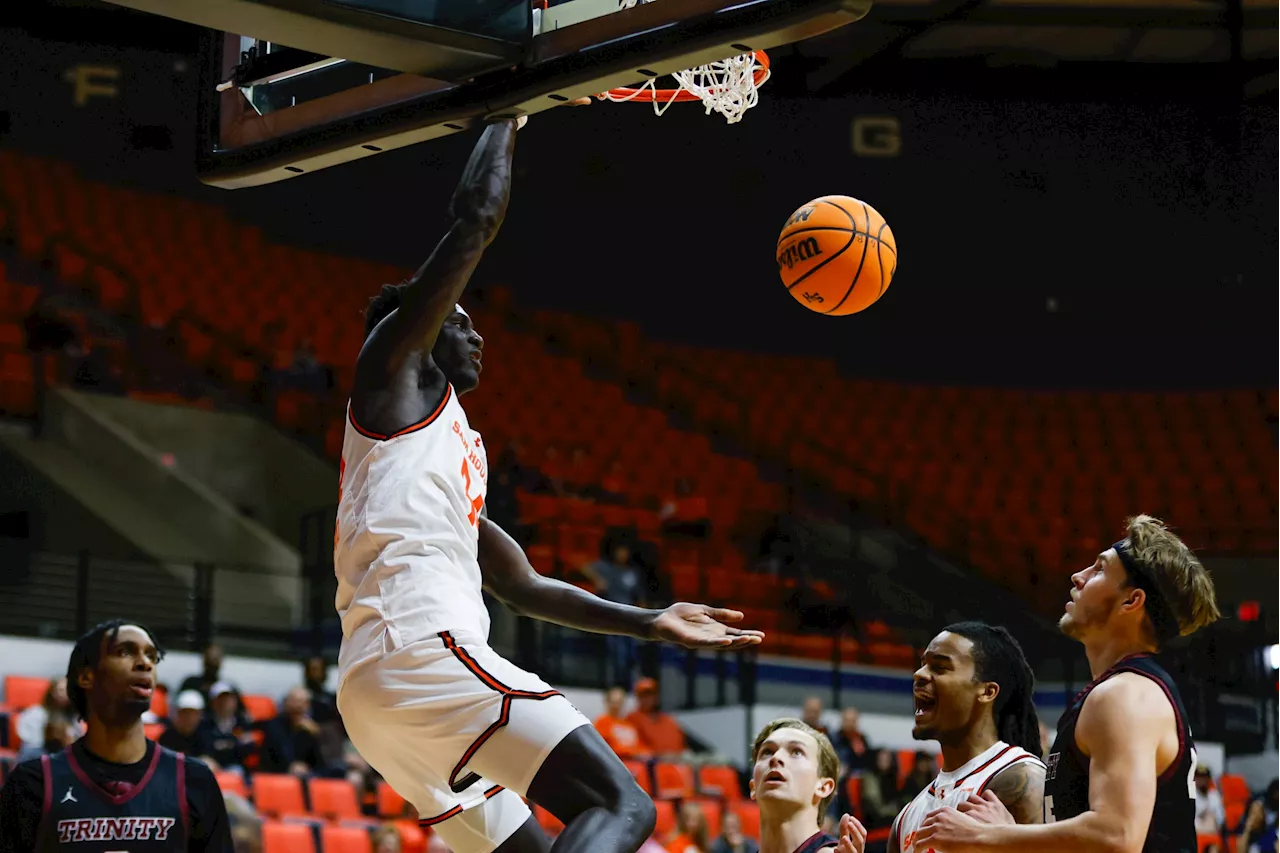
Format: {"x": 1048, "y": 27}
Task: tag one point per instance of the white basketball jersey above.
{"x": 954, "y": 787}
{"x": 405, "y": 547}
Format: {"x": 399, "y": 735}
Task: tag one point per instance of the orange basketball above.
{"x": 836, "y": 255}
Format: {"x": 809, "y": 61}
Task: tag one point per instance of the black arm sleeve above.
{"x": 21, "y": 807}
{"x": 210, "y": 830}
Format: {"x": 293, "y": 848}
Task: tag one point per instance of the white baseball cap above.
{"x": 190, "y": 700}
{"x": 219, "y": 688}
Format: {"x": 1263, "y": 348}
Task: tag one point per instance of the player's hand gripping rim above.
{"x": 699, "y": 626}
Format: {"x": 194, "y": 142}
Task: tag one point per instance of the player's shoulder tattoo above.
{"x": 1021, "y": 789}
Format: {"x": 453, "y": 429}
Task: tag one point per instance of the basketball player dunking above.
{"x": 457, "y": 730}
{"x": 793, "y": 781}
{"x": 1121, "y": 771}
{"x": 113, "y": 790}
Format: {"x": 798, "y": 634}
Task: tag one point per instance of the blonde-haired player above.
{"x": 457, "y": 730}
{"x": 793, "y": 780}
{"x": 1121, "y": 771}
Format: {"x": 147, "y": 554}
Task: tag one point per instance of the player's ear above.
{"x": 84, "y": 680}
{"x": 751, "y": 787}
{"x": 1135, "y": 599}
{"x": 826, "y": 787}
{"x": 988, "y": 691}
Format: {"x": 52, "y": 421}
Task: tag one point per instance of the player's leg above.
{"x": 584, "y": 784}
{"x": 542, "y": 747}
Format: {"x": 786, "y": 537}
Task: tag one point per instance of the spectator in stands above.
{"x": 1210, "y": 813}
{"x": 613, "y": 485}
{"x": 305, "y": 372}
{"x": 731, "y": 838}
{"x": 60, "y": 731}
{"x": 32, "y": 722}
{"x": 685, "y": 513}
{"x": 656, "y": 728}
{"x": 850, "y": 743}
{"x": 290, "y": 741}
{"x": 921, "y": 776}
{"x": 212, "y": 674}
{"x": 97, "y": 371}
{"x": 180, "y": 733}
{"x": 224, "y": 731}
{"x": 386, "y": 839}
{"x": 246, "y": 823}
{"x": 811, "y": 713}
{"x": 691, "y": 830}
{"x": 1259, "y": 835}
{"x": 617, "y": 731}
{"x": 581, "y": 474}
{"x": 880, "y": 799}
{"x": 324, "y": 704}
{"x": 617, "y": 579}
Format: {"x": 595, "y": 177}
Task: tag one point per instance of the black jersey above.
{"x": 817, "y": 842}
{"x": 1066, "y": 786}
{"x": 74, "y": 801}
{"x": 147, "y": 817}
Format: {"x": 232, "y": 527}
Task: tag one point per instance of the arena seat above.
{"x": 1234, "y": 789}
{"x": 719, "y": 781}
{"x": 672, "y": 781}
{"x": 22, "y": 691}
{"x": 390, "y": 804}
{"x": 230, "y": 782}
{"x": 413, "y": 839}
{"x": 280, "y": 837}
{"x": 345, "y": 839}
{"x": 278, "y": 794}
{"x": 259, "y": 708}
{"x": 640, "y": 771}
{"x": 666, "y": 822}
{"x": 749, "y": 813}
{"x": 333, "y": 799}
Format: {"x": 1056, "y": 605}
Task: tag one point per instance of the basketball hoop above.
{"x": 730, "y": 86}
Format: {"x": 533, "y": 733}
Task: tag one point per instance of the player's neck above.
{"x": 785, "y": 833}
{"x": 1107, "y": 650}
{"x": 971, "y": 744}
{"x": 119, "y": 744}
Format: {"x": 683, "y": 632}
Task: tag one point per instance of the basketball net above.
{"x": 730, "y": 86}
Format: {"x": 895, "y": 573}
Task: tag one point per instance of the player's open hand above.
{"x": 949, "y": 830}
{"x": 986, "y": 808}
{"x": 697, "y": 626}
{"x": 853, "y": 835}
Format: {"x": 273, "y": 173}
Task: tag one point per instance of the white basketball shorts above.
{"x": 451, "y": 725}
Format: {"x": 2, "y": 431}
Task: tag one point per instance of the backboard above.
{"x": 292, "y": 86}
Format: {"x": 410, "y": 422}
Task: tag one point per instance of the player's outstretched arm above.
{"x": 509, "y": 576}
{"x": 1122, "y": 783}
{"x": 477, "y": 209}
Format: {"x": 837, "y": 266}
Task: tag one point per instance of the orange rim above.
{"x": 679, "y": 96}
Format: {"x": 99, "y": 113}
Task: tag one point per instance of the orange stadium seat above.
{"x": 550, "y": 823}
{"x": 749, "y": 813}
{"x": 287, "y": 838}
{"x": 390, "y": 804}
{"x": 333, "y": 799}
{"x": 278, "y": 794}
{"x": 153, "y": 730}
{"x": 259, "y": 708}
{"x": 345, "y": 839}
{"x": 719, "y": 781}
{"x": 1234, "y": 788}
{"x": 21, "y": 691}
{"x": 231, "y": 782}
{"x": 640, "y": 771}
{"x": 672, "y": 781}
{"x": 412, "y": 837}
{"x": 711, "y": 809}
{"x": 666, "y": 821}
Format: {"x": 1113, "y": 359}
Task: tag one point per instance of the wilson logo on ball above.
{"x": 805, "y": 250}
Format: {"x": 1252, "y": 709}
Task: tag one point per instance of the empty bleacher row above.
{"x": 1019, "y": 484}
